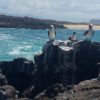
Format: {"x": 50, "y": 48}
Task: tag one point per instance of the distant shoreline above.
{"x": 27, "y": 22}
{"x": 81, "y": 26}
{"x": 33, "y": 23}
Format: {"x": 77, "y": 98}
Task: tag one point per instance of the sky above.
{"x": 63, "y": 10}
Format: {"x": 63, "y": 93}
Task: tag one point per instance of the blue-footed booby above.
{"x": 51, "y": 32}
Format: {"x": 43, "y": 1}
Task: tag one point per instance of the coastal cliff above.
{"x": 27, "y": 22}
{"x": 58, "y": 69}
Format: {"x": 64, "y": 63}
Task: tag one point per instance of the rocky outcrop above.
{"x": 67, "y": 65}
{"x": 86, "y": 57}
{"x": 50, "y": 92}
{"x": 85, "y": 90}
{"x": 19, "y": 73}
{"x": 16, "y": 77}
{"x": 56, "y": 70}
{"x": 8, "y": 92}
{"x": 3, "y": 80}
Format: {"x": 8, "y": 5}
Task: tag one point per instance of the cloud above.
{"x": 68, "y": 10}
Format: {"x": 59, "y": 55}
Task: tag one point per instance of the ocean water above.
{"x": 26, "y": 43}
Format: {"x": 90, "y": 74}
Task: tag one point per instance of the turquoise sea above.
{"x": 26, "y": 43}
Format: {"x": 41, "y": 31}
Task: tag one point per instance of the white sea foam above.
{"x": 28, "y": 46}
{"x": 19, "y": 50}
{"x": 25, "y": 42}
{"x": 15, "y": 50}
{"x": 38, "y": 38}
{"x": 5, "y": 36}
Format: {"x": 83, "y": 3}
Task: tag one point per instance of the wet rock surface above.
{"x": 55, "y": 73}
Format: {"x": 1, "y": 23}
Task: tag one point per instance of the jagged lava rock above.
{"x": 86, "y": 56}
{"x": 52, "y": 64}
{"x": 19, "y": 73}
{"x": 67, "y": 65}
{"x": 57, "y": 64}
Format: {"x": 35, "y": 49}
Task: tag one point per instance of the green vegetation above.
{"x": 27, "y": 22}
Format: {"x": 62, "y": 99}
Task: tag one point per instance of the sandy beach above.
{"x": 79, "y": 26}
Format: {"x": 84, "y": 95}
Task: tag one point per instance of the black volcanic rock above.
{"x": 85, "y": 90}
{"x": 86, "y": 57}
{"x": 51, "y": 92}
{"x": 19, "y": 72}
{"x": 58, "y": 67}
{"x": 3, "y": 80}
{"x": 66, "y": 65}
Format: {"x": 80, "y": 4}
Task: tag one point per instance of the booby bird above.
{"x": 90, "y": 32}
{"x": 51, "y": 32}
